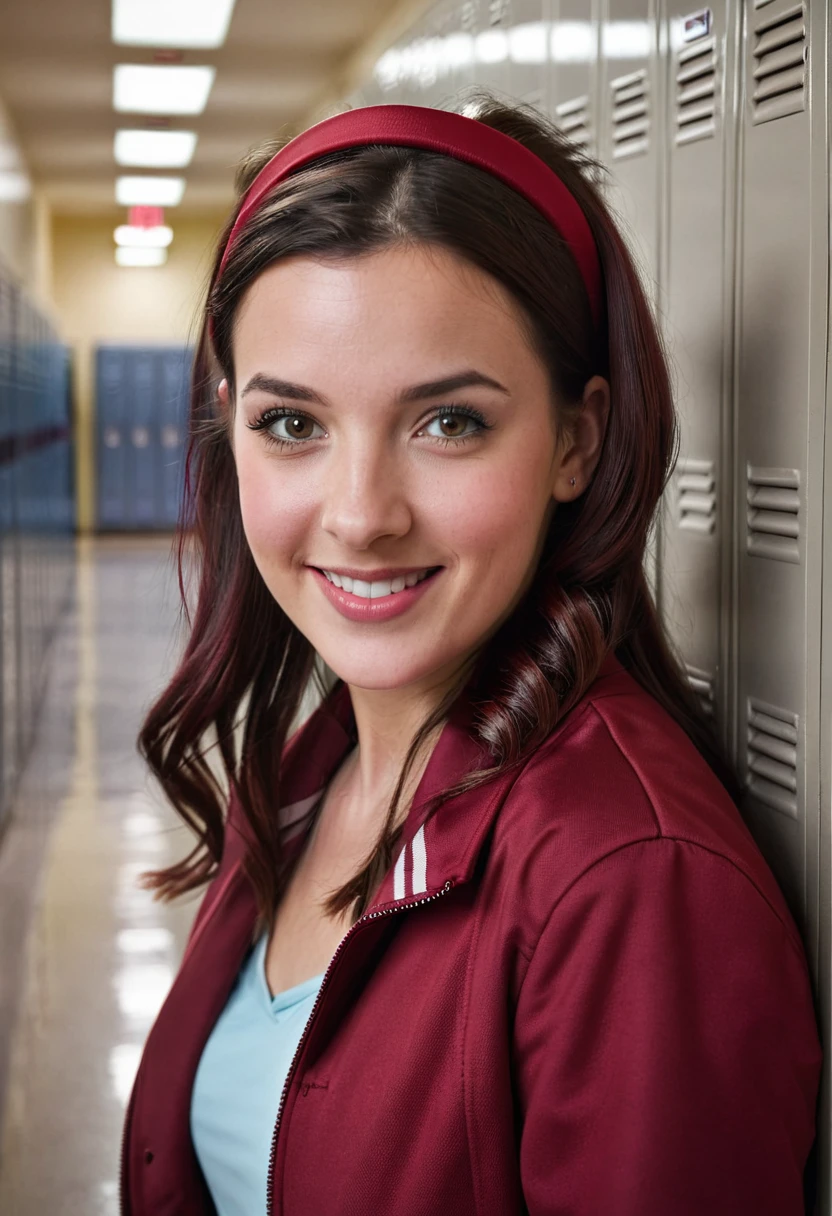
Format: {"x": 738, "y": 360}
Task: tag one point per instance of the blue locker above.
{"x": 175, "y": 373}
{"x": 36, "y": 516}
{"x": 142, "y": 410}
{"x": 111, "y": 438}
{"x": 143, "y": 448}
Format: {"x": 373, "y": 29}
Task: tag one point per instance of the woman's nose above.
{"x": 366, "y": 496}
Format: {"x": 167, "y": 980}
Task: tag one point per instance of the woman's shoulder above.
{"x": 621, "y": 774}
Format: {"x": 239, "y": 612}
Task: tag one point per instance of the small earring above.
{"x": 571, "y": 481}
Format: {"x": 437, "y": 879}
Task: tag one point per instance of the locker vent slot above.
{"x": 573, "y": 119}
{"x": 778, "y": 81}
{"x": 772, "y": 756}
{"x": 696, "y": 496}
{"x": 630, "y": 115}
{"x": 702, "y": 683}
{"x": 774, "y": 514}
{"x": 696, "y": 92}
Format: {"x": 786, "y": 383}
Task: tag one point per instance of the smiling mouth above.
{"x": 383, "y": 587}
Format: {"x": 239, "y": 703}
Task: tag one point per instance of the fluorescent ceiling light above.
{"x": 153, "y": 238}
{"x": 154, "y": 149}
{"x": 161, "y": 89}
{"x": 140, "y": 255}
{"x": 179, "y": 23}
{"x": 149, "y": 191}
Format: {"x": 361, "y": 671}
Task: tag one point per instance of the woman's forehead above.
{"x": 398, "y": 300}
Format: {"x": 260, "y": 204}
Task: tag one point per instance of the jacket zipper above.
{"x": 361, "y": 921}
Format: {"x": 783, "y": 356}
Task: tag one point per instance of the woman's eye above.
{"x": 288, "y": 428}
{"x": 458, "y": 422}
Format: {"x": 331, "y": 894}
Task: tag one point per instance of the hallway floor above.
{"x": 87, "y": 956}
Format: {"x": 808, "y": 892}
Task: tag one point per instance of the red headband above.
{"x": 455, "y": 135}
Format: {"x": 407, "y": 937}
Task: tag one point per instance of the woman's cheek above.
{"x": 269, "y": 514}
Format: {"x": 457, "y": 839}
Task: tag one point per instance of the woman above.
{"x": 488, "y": 934}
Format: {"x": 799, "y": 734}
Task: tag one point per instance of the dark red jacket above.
{"x": 578, "y": 993}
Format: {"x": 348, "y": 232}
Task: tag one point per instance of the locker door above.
{"x": 630, "y": 136}
{"x": 461, "y": 46}
{"x": 631, "y": 124}
{"x": 781, "y": 372}
{"x": 143, "y": 445}
{"x": 528, "y": 52}
{"x": 428, "y": 48}
{"x": 111, "y": 438}
{"x": 573, "y": 85}
{"x": 491, "y": 46}
{"x": 173, "y": 421}
{"x": 698, "y": 294}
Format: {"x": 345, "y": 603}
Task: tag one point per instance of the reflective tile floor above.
{"x": 86, "y": 956}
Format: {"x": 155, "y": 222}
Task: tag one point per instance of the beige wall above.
{"x": 25, "y": 222}
{"x": 98, "y": 301}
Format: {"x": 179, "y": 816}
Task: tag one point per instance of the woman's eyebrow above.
{"x": 418, "y": 392}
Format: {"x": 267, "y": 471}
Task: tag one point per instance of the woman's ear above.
{"x": 226, "y": 411}
{"x": 586, "y": 440}
{"x": 224, "y": 397}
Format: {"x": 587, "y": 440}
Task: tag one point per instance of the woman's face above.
{"x": 351, "y": 454}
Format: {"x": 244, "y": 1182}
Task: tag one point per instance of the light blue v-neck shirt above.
{"x": 239, "y": 1081}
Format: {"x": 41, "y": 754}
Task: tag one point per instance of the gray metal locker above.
{"x": 782, "y": 370}
{"x": 631, "y": 123}
{"x": 574, "y": 83}
{"x": 462, "y": 59}
{"x": 697, "y": 292}
{"x": 629, "y": 141}
{"x": 529, "y": 46}
{"x": 778, "y": 469}
{"x": 492, "y": 65}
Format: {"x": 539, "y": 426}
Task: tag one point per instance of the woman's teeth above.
{"x": 374, "y": 591}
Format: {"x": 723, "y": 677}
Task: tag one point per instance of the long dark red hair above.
{"x": 219, "y": 728}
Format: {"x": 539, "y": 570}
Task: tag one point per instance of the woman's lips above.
{"x": 357, "y": 608}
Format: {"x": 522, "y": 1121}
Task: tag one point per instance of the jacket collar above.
{"x": 433, "y": 848}
{"x": 430, "y": 851}
{"x": 427, "y": 856}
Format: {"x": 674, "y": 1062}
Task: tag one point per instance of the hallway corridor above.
{"x": 86, "y": 956}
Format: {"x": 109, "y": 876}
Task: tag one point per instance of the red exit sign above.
{"x": 145, "y": 217}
